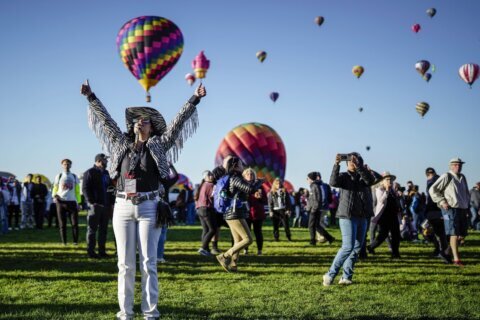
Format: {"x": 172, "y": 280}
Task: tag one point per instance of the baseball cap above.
{"x": 100, "y": 157}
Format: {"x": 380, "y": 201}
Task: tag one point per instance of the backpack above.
{"x": 222, "y": 199}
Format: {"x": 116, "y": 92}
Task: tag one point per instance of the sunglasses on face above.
{"x": 143, "y": 120}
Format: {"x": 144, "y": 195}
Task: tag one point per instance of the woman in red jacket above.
{"x": 256, "y": 204}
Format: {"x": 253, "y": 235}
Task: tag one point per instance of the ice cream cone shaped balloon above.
{"x": 149, "y": 47}
{"x": 200, "y": 65}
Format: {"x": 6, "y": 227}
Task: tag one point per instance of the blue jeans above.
{"x": 353, "y": 234}
{"x": 474, "y": 219}
{"x": 161, "y": 242}
{"x": 191, "y": 215}
{"x": 3, "y": 218}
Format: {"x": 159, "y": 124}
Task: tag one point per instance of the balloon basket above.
{"x": 148, "y": 98}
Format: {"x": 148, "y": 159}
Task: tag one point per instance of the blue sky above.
{"x": 50, "y": 47}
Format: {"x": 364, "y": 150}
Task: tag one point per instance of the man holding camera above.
{"x": 355, "y": 207}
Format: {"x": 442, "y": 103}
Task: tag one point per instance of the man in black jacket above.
{"x": 96, "y": 182}
{"x": 316, "y": 205}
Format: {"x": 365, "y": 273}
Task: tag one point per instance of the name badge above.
{"x": 130, "y": 186}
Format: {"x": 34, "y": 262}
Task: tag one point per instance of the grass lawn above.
{"x": 42, "y": 279}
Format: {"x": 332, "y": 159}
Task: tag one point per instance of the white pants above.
{"x": 134, "y": 227}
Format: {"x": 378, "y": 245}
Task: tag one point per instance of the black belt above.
{"x": 139, "y": 199}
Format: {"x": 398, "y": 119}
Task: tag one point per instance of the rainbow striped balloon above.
{"x": 182, "y": 181}
{"x": 149, "y": 47}
{"x": 259, "y": 147}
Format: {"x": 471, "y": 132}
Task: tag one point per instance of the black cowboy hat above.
{"x": 156, "y": 119}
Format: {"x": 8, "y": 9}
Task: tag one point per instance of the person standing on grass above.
{"x": 27, "y": 203}
{"x": 475, "y": 207}
{"x": 167, "y": 184}
{"x": 139, "y": 160}
{"x": 96, "y": 182}
{"x": 450, "y": 192}
{"x": 353, "y": 212}
{"x": 39, "y": 195}
{"x": 66, "y": 194}
{"x": 280, "y": 208}
{"x": 434, "y": 217}
{"x": 238, "y": 191}
{"x": 387, "y": 213}
{"x": 256, "y": 206}
{"x": 206, "y": 212}
{"x": 317, "y": 203}
{"x": 15, "y": 198}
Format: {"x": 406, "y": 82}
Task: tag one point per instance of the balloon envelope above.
{"x": 258, "y": 146}
{"x": 427, "y": 77}
{"x": 358, "y": 71}
{"x": 190, "y": 78}
{"x": 422, "y": 108}
{"x": 431, "y": 12}
{"x": 416, "y": 27}
{"x": 319, "y": 20}
{"x": 182, "y": 181}
{"x": 274, "y": 96}
{"x": 469, "y": 73}
{"x": 45, "y": 180}
{"x": 422, "y": 66}
{"x": 149, "y": 47}
{"x": 261, "y": 55}
{"x": 288, "y": 186}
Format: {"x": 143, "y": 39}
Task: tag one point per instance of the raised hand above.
{"x": 200, "y": 91}
{"x": 85, "y": 89}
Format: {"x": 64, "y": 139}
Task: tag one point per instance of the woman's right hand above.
{"x": 85, "y": 89}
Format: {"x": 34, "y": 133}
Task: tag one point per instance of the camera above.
{"x": 345, "y": 157}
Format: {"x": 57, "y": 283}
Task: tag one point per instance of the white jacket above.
{"x": 452, "y": 190}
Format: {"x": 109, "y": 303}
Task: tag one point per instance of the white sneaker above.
{"x": 204, "y": 252}
{"x": 327, "y": 280}
{"x": 345, "y": 281}
{"x": 161, "y": 260}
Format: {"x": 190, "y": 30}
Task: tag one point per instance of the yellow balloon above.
{"x": 358, "y": 71}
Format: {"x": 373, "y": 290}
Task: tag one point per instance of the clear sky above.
{"x": 50, "y": 47}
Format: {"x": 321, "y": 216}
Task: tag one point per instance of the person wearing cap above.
{"x": 66, "y": 195}
{"x": 204, "y": 204}
{"x": 450, "y": 192}
{"x": 387, "y": 212}
{"x": 96, "y": 182}
{"x": 317, "y": 203}
{"x": 353, "y": 211}
{"x": 475, "y": 207}
{"x": 139, "y": 163}
{"x": 434, "y": 216}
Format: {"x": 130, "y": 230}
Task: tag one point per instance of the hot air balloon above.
{"x": 434, "y": 68}
{"x": 416, "y": 27}
{"x": 319, "y": 20}
{"x": 190, "y": 78}
{"x": 431, "y": 12}
{"x": 259, "y": 147}
{"x": 182, "y": 181}
{"x": 422, "y": 66}
{"x": 274, "y": 96}
{"x": 427, "y": 77}
{"x": 149, "y": 47}
{"x": 422, "y": 108}
{"x": 45, "y": 180}
{"x": 261, "y": 55}
{"x": 368, "y": 148}
{"x": 360, "y": 109}
{"x": 288, "y": 186}
{"x": 469, "y": 73}
{"x": 358, "y": 71}
{"x": 200, "y": 65}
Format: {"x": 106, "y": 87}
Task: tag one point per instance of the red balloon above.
{"x": 416, "y": 27}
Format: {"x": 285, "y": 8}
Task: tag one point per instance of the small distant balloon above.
{"x": 416, "y": 27}
{"x": 368, "y": 148}
{"x": 422, "y": 66}
{"x": 190, "y": 78}
{"x": 434, "y": 68}
{"x": 274, "y": 96}
{"x": 427, "y": 77}
{"x": 360, "y": 109}
{"x": 319, "y": 20}
{"x": 261, "y": 55}
{"x": 422, "y": 108}
{"x": 431, "y": 12}
{"x": 358, "y": 71}
{"x": 469, "y": 73}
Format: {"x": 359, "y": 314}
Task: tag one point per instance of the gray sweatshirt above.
{"x": 455, "y": 192}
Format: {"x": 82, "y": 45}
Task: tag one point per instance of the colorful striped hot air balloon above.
{"x": 469, "y": 73}
{"x": 422, "y": 108}
{"x": 358, "y": 71}
{"x": 149, "y": 47}
{"x": 259, "y": 147}
{"x": 182, "y": 181}
{"x": 288, "y": 186}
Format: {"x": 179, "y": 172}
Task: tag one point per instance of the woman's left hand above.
{"x": 200, "y": 91}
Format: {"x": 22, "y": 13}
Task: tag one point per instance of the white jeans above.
{"x": 134, "y": 226}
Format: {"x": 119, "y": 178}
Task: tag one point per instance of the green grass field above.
{"x": 42, "y": 279}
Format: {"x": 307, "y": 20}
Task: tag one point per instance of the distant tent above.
{"x": 6, "y": 174}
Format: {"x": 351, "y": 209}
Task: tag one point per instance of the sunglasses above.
{"x": 144, "y": 120}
